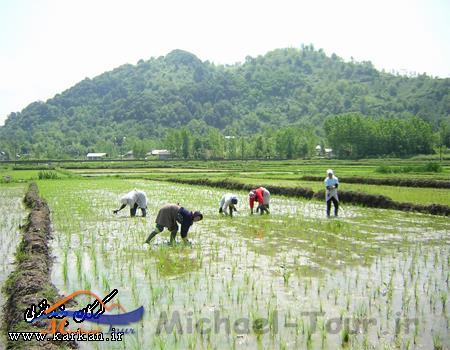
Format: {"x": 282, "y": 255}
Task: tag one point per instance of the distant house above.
{"x": 324, "y": 152}
{"x": 96, "y": 156}
{"x": 129, "y": 155}
{"x": 318, "y": 150}
{"x": 160, "y": 154}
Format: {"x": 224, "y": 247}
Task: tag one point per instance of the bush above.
{"x": 432, "y": 167}
{"x": 47, "y": 174}
{"x": 383, "y": 169}
{"x": 6, "y": 179}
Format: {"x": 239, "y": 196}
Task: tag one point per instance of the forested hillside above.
{"x": 187, "y": 105}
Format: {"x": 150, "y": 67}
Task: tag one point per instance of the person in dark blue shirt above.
{"x": 170, "y": 216}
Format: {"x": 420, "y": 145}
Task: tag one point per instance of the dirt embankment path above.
{"x": 31, "y": 280}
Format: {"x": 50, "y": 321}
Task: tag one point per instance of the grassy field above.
{"x": 8, "y": 174}
{"x": 288, "y": 167}
{"x": 280, "y": 173}
{"x": 266, "y": 275}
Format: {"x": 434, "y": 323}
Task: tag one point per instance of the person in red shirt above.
{"x": 262, "y": 196}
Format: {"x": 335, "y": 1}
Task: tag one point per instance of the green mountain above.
{"x": 282, "y": 88}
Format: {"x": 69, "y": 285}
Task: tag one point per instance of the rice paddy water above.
{"x": 13, "y": 215}
{"x": 370, "y": 279}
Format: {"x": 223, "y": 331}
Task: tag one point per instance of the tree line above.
{"x": 357, "y": 136}
{"x": 260, "y": 101}
{"x": 287, "y": 143}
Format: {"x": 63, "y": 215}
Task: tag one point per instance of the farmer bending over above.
{"x": 171, "y": 214}
{"x": 331, "y": 185}
{"x": 135, "y": 199}
{"x": 228, "y": 201}
{"x": 262, "y": 196}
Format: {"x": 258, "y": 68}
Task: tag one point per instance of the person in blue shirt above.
{"x": 169, "y": 216}
{"x": 331, "y": 194}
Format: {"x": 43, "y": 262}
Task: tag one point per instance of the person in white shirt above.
{"x": 331, "y": 194}
{"x": 135, "y": 199}
{"x": 228, "y": 201}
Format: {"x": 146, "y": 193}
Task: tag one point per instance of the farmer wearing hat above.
{"x": 262, "y": 196}
{"x": 135, "y": 199}
{"x": 228, "y": 201}
{"x": 171, "y": 214}
{"x": 331, "y": 195}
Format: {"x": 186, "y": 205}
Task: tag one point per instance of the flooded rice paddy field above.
{"x": 371, "y": 279}
{"x": 13, "y": 215}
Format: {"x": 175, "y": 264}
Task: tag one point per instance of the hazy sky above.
{"x": 47, "y": 46}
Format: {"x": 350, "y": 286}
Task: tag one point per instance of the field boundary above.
{"x": 359, "y": 198}
{"x": 425, "y": 183}
{"x": 285, "y": 191}
{"x": 30, "y": 282}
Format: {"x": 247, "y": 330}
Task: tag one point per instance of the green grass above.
{"x": 283, "y": 173}
{"x": 7, "y": 174}
{"x": 19, "y": 175}
{"x": 280, "y": 173}
{"x": 289, "y": 167}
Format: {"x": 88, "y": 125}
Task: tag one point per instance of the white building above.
{"x": 328, "y": 152}
{"x": 160, "y": 154}
{"x": 129, "y": 155}
{"x": 96, "y": 156}
{"x": 318, "y": 150}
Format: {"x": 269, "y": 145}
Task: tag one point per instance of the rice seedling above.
{"x": 437, "y": 342}
{"x": 444, "y": 297}
{"x": 65, "y": 268}
{"x": 78, "y": 264}
{"x": 286, "y": 275}
{"x": 308, "y": 336}
{"x": 345, "y": 336}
